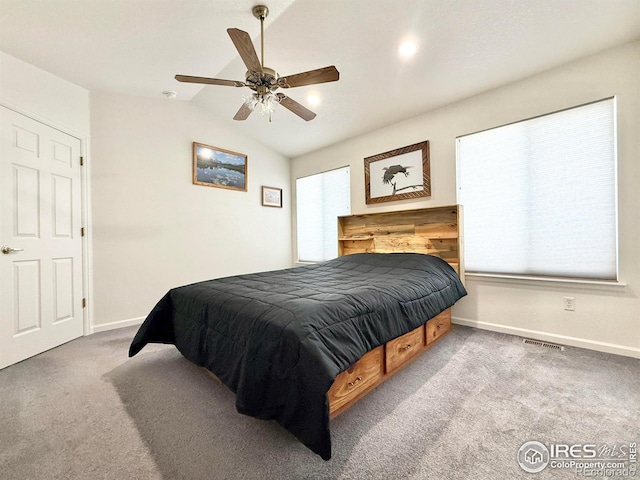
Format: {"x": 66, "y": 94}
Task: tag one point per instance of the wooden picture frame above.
{"x": 271, "y": 197}
{"x": 387, "y": 176}
{"x": 217, "y": 167}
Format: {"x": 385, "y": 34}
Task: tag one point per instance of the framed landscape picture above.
{"x": 272, "y": 197}
{"x": 217, "y": 167}
{"x": 398, "y": 174}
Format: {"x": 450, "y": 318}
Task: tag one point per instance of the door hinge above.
{"x": 84, "y": 302}
{"x": 82, "y": 231}
{"x": 81, "y": 161}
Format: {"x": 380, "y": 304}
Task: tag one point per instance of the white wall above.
{"x": 43, "y": 96}
{"x": 606, "y": 318}
{"x": 152, "y": 228}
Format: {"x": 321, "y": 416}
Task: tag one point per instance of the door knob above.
{"x": 7, "y": 250}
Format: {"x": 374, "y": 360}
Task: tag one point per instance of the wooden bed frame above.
{"x": 436, "y": 231}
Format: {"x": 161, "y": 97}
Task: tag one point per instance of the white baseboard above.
{"x": 119, "y": 324}
{"x": 551, "y": 337}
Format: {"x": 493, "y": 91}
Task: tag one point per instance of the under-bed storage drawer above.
{"x": 356, "y": 380}
{"x": 401, "y": 349}
{"x": 438, "y": 326}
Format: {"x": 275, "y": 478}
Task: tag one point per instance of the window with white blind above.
{"x": 320, "y": 200}
{"x": 539, "y": 196}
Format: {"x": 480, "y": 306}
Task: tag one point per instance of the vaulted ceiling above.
{"x": 465, "y": 47}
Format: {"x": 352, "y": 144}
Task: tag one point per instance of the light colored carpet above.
{"x": 461, "y": 411}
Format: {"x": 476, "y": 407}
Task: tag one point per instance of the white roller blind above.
{"x": 539, "y": 196}
{"x": 320, "y": 199}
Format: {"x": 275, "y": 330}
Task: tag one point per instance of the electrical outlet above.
{"x": 570, "y": 304}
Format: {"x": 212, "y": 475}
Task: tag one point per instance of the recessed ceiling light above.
{"x": 313, "y": 99}
{"x": 407, "y": 49}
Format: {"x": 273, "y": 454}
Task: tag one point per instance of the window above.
{"x": 539, "y": 196}
{"x": 320, "y": 199}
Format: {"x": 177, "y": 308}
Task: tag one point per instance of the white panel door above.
{"x": 40, "y": 240}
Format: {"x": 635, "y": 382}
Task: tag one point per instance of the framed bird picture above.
{"x": 399, "y": 174}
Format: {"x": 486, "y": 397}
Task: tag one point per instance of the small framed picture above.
{"x": 217, "y": 167}
{"x": 272, "y": 197}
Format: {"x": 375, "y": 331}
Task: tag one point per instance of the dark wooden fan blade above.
{"x": 243, "y": 113}
{"x": 296, "y": 108}
{"x": 320, "y": 75}
{"x": 209, "y": 81}
{"x": 244, "y": 45}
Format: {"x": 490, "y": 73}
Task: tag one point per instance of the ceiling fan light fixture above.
{"x": 265, "y": 102}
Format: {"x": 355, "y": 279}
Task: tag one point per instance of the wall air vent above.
{"x": 552, "y": 346}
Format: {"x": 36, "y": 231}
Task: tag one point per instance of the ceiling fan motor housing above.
{"x": 268, "y": 79}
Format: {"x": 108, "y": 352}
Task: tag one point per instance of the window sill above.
{"x": 523, "y": 279}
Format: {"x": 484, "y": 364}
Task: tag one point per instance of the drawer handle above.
{"x": 404, "y": 348}
{"x": 353, "y": 384}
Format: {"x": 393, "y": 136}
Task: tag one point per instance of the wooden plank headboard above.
{"x": 436, "y": 231}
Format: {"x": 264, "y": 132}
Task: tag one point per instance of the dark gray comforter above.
{"x": 278, "y": 339}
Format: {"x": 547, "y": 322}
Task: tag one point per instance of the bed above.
{"x": 301, "y": 345}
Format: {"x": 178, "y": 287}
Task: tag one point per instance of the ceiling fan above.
{"x": 265, "y": 81}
